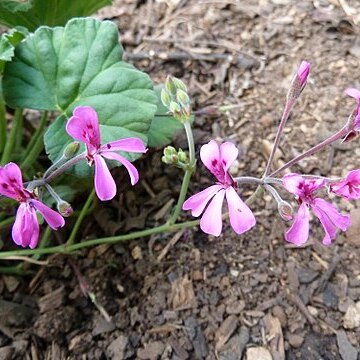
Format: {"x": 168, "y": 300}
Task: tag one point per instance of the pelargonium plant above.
{"x": 98, "y": 112}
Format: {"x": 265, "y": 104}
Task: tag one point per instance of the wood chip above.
{"x": 273, "y": 327}
{"x": 225, "y": 330}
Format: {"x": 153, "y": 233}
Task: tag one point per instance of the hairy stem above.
{"x": 62, "y": 168}
{"x": 288, "y": 107}
{"x": 313, "y": 150}
{"x": 187, "y": 176}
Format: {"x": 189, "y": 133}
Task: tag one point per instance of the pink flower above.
{"x": 349, "y": 188}
{"x": 218, "y": 160}
{"x": 354, "y": 122}
{"x": 327, "y": 213}
{"x": 25, "y": 231}
{"x": 303, "y": 73}
{"x": 84, "y": 126}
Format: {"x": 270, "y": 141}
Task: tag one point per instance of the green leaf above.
{"x": 34, "y": 13}
{"x": 61, "y": 68}
{"x": 164, "y": 126}
{"x": 8, "y": 42}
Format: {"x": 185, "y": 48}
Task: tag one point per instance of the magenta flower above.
{"x": 303, "y": 73}
{"x": 218, "y": 160}
{"x": 349, "y": 188}
{"x": 327, "y": 213}
{"x": 354, "y": 123}
{"x": 84, "y": 126}
{"x": 25, "y": 231}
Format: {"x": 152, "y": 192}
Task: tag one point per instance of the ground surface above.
{"x": 233, "y": 296}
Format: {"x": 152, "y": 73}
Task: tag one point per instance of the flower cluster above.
{"x": 82, "y": 126}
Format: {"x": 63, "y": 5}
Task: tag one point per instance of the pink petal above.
{"x": 241, "y": 217}
{"x": 198, "y": 202}
{"x": 211, "y": 221}
{"x": 11, "y": 183}
{"x": 349, "y": 188}
{"x": 25, "y": 231}
{"x": 228, "y": 153}
{"x": 135, "y": 145}
{"x": 134, "y": 175}
{"x": 210, "y": 156}
{"x": 84, "y": 126}
{"x": 300, "y": 186}
{"x": 303, "y": 72}
{"x": 330, "y": 219}
{"x": 299, "y": 230}
{"x": 53, "y": 218}
{"x": 291, "y": 183}
{"x": 105, "y": 186}
{"x": 355, "y": 93}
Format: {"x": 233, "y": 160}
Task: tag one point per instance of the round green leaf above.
{"x": 80, "y": 64}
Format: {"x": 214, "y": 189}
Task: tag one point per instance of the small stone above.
{"x": 197, "y": 275}
{"x": 257, "y": 353}
{"x": 136, "y": 253}
{"x": 295, "y": 340}
{"x": 234, "y": 272}
{"x": 6, "y": 352}
{"x": 102, "y": 326}
{"x": 352, "y": 316}
{"x": 236, "y": 307}
{"x": 116, "y": 349}
{"x": 279, "y": 312}
{"x": 151, "y": 351}
{"x": 11, "y": 283}
{"x": 313, "y": 310}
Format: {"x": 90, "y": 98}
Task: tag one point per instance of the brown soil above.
{"x": 232, "y": 297}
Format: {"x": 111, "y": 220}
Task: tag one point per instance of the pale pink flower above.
{"x": 218, "y": 160}
{"x": 25, "y": 231}
{"x": 84, "y": 126}
{"x": 349, "y": 188}
{"x": 354, "y": 122}
{"x": 327, "y": 213}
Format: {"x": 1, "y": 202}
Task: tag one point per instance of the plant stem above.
{"x": 80, "y": 218}
{"x": 36, "y": 144}
{"x": 11, "y": 142}
{"x": 288, "y": 107}
{"x": 108, "y": 240}
{"x": 187, "y": 175}
{"x": 2, "y": 124}
{"x": 313, "y": 150}
{"x": 60, "y": 170}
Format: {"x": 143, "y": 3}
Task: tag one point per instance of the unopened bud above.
{"x": 65, "y": 208}
{"x": 71, "y": 149}
{"x": 182, "y": 156}
{"x": 174, "y": 107}
{"x": 299, "y": 81}
{"x": 170, "y": 85}
{"x": 165, "y": 98}
{"x": 285, "y": 210}
{"x": 179, "y": 84}
{"x": 182, "y": 97}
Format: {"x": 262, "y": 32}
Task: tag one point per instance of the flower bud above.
{"x": 71, "y": 149}
{"x": 183, "y": 157}
{"x": 174, "y": 107}
{"x": 170, "y": 85}
{"x": 299, "y": 81}
{"x": 64, "y": 208}
{"x": 285, "y": 210}
{"x": 165, "y": 98}
{"x": 179, "y": 84}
